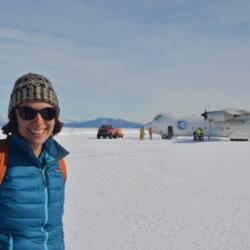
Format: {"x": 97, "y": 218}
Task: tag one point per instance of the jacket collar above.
{"x": 20, "y": 153}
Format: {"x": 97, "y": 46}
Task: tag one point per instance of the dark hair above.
{"x": 11, "y": 126}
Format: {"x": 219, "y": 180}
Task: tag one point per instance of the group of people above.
{"x": 142, "y": 133}
{"x": 198, "y": 134}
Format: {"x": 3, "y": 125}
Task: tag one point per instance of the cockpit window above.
{"x": 158, "y": 117}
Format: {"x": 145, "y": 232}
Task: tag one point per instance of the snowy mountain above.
{"x": 119, "y": 123}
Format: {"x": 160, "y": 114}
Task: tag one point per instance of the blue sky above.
{"x": 129, "y": 59}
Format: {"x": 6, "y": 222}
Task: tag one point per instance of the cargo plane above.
{"x": 231, "y": 123}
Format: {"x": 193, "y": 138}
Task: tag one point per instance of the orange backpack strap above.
{"x": 3, "y": 158}
{"x": 63, "y": 168}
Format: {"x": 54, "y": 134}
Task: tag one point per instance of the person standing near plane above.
{"x": 195, "y": 135}
{"x": 199, "y": 132}
{"x": 32, "y": 187}
{"x": 150, "y": 131}
{"x": 142, "y": 133}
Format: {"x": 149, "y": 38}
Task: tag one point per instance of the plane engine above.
{"x": 217, "y": 116}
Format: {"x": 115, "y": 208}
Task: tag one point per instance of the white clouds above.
{"x": 143, "y": 53}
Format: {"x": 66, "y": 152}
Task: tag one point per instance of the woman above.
{"x": 32, "y": 191}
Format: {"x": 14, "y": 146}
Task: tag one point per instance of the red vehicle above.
{"x": 108, "y": 131}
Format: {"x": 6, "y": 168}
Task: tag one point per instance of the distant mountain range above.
{"x": 118, "y": 123}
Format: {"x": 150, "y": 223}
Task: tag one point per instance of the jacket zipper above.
{"x": 10, "y": 246}
{"x": 46, "y": 198}
{"x": 45, "y": 209}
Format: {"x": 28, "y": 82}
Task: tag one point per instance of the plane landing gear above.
{"x": 164, "y": 136}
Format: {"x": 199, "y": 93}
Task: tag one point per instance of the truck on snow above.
{"x": 108, "y": 131}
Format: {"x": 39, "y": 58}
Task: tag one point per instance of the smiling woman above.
{"x": 33, "y": 209}
{"x": 35, "y": 125}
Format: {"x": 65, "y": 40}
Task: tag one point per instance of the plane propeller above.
{"x": 204, "y": 115}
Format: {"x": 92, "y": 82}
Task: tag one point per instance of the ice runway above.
{"x": 125, "y": 194}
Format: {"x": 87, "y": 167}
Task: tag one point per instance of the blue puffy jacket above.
{"x": 32, "y": 198}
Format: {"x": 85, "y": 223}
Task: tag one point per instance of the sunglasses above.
{"x": 28, "y": 113}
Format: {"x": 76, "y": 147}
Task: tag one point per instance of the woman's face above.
{"x": 37, "y": 130}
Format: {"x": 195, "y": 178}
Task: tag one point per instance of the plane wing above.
{"x": 226, "y": 115}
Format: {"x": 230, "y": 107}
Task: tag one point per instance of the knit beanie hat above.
{"x": 32, "y": 87}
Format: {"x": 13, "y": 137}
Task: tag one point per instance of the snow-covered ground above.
{"x": 125, "y": 194}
